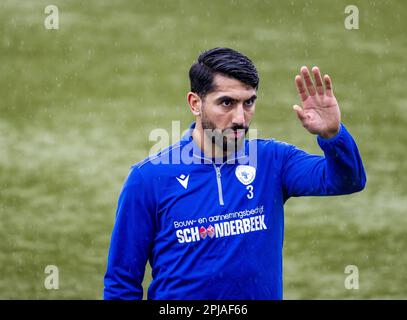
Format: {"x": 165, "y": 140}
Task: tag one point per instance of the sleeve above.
{"x": 340, "y": 171}
{"x": 131, "y": 240}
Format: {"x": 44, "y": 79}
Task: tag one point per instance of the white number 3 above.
{"x": 250, "y": 194}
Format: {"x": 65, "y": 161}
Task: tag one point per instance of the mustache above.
{"x": 234, "y": 128}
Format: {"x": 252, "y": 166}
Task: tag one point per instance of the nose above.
{"x": 238, "y": 116}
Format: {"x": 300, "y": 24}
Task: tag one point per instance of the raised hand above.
{"x": 320, "y": 112}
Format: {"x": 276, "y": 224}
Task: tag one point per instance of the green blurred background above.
{"x": 77, "y": 106}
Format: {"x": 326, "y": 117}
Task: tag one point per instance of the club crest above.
{"x": 245, "y": 174}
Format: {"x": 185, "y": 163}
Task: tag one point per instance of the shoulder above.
{"x": 271, "y": 146}
{"x": 269, "y": 152}
{"x": 153, "y": 166}
{"x": 159, "y": 158}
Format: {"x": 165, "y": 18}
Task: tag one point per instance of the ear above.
{"x": 195, "y": 103}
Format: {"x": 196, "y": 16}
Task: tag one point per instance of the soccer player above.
{"x": 208, "y": 211}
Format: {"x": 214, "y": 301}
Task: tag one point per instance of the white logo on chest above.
{"x": 245, "y": 174}
{"x": 183, "y": 180}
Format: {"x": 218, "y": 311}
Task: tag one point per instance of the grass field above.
{"x": 77, "y": 106}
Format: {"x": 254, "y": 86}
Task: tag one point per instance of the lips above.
{"x": 238, "y": 134}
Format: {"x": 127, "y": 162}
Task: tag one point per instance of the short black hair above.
{"x": 224, "y": 61}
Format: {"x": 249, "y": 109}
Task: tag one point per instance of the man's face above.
{"x": 227, "y": 111}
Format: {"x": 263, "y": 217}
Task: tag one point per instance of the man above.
{"x": 214, "y": 228}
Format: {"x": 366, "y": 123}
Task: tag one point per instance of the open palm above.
{"x": 320, "y": 112}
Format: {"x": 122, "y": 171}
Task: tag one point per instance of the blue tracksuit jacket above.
{"x": 215, "y": 231}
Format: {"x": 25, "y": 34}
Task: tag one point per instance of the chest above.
{"x": 202, "y": 191}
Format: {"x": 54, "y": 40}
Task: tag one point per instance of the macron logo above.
{"x": 183, "y": 180}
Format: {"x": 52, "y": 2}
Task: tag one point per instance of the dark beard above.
{"x": 219, "y": 136}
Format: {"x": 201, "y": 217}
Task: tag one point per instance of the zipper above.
{"x": 218, "y": 180}
{"x": 218, "y": 176}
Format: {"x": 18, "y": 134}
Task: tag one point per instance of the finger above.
{"x": 308, "y": 81}
{"x": 318, "y": 80}
{"x": 328, "y": 86}
{"x": 300, "y": 88}
{"x": 300, "y": 113}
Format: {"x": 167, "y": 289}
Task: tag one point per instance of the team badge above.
{"x": 245, "y": 174}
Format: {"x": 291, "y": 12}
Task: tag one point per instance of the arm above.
{"x": 341, "y": 170}
{"x": 131, "y": 240}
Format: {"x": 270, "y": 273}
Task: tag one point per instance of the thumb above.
{"x": 300, "y": 112}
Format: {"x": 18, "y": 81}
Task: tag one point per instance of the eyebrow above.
{"x": 222, "y": 98}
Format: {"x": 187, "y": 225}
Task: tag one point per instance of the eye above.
{"x": 226, "y": 103}
{"x": 250, "y": 102}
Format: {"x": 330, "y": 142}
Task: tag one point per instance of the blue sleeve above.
{"x": 131, "y": 240}
{"x": 339, "y": 171}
